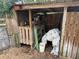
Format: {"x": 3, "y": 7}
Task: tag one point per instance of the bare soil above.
{"x": 25, "y": 53}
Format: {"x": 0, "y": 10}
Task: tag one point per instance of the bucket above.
{"x": 42, "y": 47}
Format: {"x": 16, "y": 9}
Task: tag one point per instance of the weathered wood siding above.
{"x": 71, "y": 37}
{"x": 13, "y": 31}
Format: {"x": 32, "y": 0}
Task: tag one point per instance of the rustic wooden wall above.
{"x": 71, "y": 37}
{"x": 12, "y": 29}
{"x": 54, "y": 20}
{"x": 11, "y": 25}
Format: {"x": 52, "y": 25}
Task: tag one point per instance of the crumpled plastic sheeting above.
{"x": 4, "y": 42}
{"x": 54, "y": 37}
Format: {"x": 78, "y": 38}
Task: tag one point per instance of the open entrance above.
{"x": 43, "y": 20}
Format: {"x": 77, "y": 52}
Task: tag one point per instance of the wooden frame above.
{"x": 30, "y": 7}
{"x": 44, "y": 5}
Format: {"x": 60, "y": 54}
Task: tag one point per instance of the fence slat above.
{"x": 20, "y": 31}
{"x": 71, "y": 37}
{"x": 25, "y": 35}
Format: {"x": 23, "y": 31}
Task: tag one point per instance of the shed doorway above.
{"x": 43, "y": 20}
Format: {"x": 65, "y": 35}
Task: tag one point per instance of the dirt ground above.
{"x": 24, "y": 53}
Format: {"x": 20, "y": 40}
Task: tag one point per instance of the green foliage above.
{"x": 1, "y": 8}
{"x": 5, "y": 5}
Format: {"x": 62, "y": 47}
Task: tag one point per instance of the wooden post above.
{"x": 30, "y": 23}
{"x": 63, "y": 30}
{"x": 16, "y": 34}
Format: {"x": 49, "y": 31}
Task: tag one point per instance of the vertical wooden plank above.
{"x": 20, "y": 34}
{"x": 29, "y": 35}
{"x": 66, "y": 39}
{"x": 23, "y": 33}
{"x": 28, "y": 31}
{"x": 67, "y": 33}
{"x": 77, "y": 55}
{"x": 66, "y": 36}
{"x": 27, "y": 28}
{"x": 71, "y": 36}
{"x": 30, "y": 22}
{"x": 71, "y": 33}
{"x": 72, "y": 29}
{"x": 75, "y": 45}
{"x": 74, "y": 49}
{"x": 63, "y": 29}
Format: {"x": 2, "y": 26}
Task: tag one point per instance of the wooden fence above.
{"x": 71, "y": 37}
{"x": 24, "y": 35}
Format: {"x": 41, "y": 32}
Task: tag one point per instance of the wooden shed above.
{"x": 61, "y": 15}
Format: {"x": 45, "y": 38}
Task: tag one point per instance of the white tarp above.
{"x": 4, "y": 42}
{"x": 54, "y": 37}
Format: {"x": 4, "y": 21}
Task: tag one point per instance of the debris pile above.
{"x": 24, "y": 53}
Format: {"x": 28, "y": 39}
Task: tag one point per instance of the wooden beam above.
{"x": 45, "y": 5}
{"x": 63, "y": 30}
{"x": 30, "y": 23}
